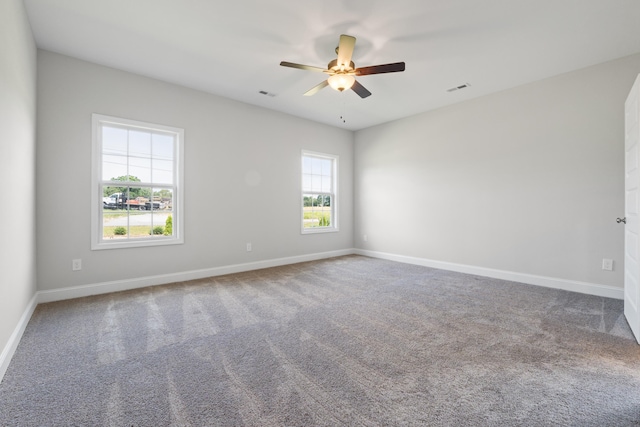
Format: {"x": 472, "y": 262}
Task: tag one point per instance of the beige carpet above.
{"x": 350, "y": 341}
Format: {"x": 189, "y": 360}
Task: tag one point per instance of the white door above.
{"x": 632, "y": 197}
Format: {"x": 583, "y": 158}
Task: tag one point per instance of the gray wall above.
{"x": 224, "y": 141}
{"x": 17, "y": 165}
{"x": 528, "y": 180}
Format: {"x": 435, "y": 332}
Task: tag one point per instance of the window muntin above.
{"x": 319, "y": 184}
{"x": 137, "y": 183}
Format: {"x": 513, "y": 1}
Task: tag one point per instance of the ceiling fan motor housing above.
{"x": 336, "y": 68}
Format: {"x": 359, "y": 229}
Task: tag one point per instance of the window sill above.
{"x": 319, "y": 230}
{"x": 134, "y": 244}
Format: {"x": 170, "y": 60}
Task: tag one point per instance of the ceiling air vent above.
{"x": 264, "y": 92}
{"x": 462, "y": 86}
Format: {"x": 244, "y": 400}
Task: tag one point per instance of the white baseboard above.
{"x": 16, "y": 336}
{"x": 530, "y": 279}
{"x": 141, "y": 282}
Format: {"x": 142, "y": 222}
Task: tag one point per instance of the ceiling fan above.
{"x": 342, "y": 70}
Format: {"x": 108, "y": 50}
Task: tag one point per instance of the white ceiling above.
{"x": 233, "y": 48}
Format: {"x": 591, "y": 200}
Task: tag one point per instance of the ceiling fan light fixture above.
{"x": 341, "y": 82}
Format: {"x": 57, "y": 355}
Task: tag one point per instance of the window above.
{"x": 319, "y": 192}
{"x": 137, "y": 183}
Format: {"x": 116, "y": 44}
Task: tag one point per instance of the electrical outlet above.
{"x": 607, "y": 264}
{"x": 365, "y": 238}
{"x": 76, "y": 264}
{"x": 249, "y": 247}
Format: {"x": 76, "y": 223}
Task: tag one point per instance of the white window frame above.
{"x": 97, "y": 240}
{"x": 334, "y": 225}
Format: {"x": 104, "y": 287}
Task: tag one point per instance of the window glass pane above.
{"x": 139, "y": 144}
{"x": 326, "y": 167}
{"x": 153, "y": 202}
{"x": 114, "y": 141}
{"x": 112, "y": 197}
{"x": 141, "y": 224}
{"x": 162, "y": 172}
{"x": 115, "y": 225}
{"x": 162, "y": 147}
{"x": 306, "y": 183}
{"x": 160, "y": 227}
{"x": 306, "y": 164}
{"x": 161, "y": 210}
{"x": 113, "y": 167}
{"x": 140, "y": 169}
{"x": 326, "y": 184}
{"x": 316, "y": 183}
{"x": 140, "y": 156}
{"x": 306, "y": 200}
{"x": 137, "y": 206}
{"x": 114, "y": 152}
{"x": 165, "y": 196}
{"x": 138, "y": 197}
{"x": 316, "y": 166}
{"x": 162, "y": 153}
{"x": 115, "y": 215}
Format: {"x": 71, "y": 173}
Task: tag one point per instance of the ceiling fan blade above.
{"x": 301, "y": 67}
{"x": 360, "y": 90}
{"x": 345, "y": 49}
{"x": 317, "y": 88}
{"x": 379, "y": 69}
